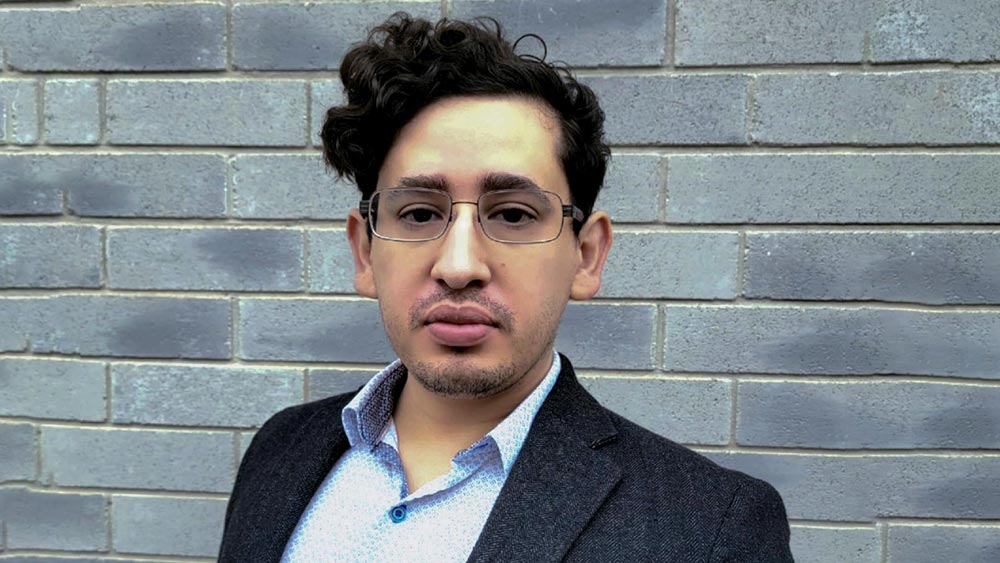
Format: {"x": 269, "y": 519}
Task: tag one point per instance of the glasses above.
{"x": 512, "y": 216}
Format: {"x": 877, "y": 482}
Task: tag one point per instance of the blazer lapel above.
{"x": 289, "y": 482}
{"x": 559, "y": 480}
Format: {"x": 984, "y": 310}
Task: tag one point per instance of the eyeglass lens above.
{"x": 506, "y": 215}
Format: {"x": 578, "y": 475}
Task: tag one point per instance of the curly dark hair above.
{"x": 409, "y": 63}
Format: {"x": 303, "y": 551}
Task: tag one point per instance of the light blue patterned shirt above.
{"x": 363, "y": 510}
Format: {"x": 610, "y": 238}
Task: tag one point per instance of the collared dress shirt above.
{"x": 363, "y": 510}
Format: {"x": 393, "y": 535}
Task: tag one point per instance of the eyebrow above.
{"x": 491, "y": 182}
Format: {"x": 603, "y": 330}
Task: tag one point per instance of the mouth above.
{"x": 460, "y": 327}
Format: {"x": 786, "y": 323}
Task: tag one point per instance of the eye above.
{"x": 513, "y": 216}
{"x": 419, "y": 215}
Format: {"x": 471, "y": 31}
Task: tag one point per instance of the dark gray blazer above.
{"x": 588, "y": 485}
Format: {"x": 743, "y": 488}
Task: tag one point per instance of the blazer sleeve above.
{"x": 755, "y": 528}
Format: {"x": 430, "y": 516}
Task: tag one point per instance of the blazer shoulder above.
{"x": 733, "y": 512}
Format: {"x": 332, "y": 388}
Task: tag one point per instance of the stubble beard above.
{"x": 462, "y": 378}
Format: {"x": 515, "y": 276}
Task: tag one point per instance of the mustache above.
{"x": 503, "y": 316}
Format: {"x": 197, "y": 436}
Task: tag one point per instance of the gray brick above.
{"x": 932, "y": 108}
{"x": 690, "y": 411}
{"x": 50, "y": 256}
{"x": 924, "y": 267}
{"x": 138, "y": 459}
{"x": 689, "y": 265}
{"x": 105, "y": 185}
{"x": 154, "y": 327}
{"x": 587, "y": 33}
{"x": 207, "y": 112}
{"x": 674, "y": 110}
{"x": 342, "y": 330}
{"x": 241, "y": 259}
{"x": 871, "y": 414}
{"x": 46, "y": 520}
{"x": 930, "y": 30}
{"x": 830, "y": 340}
{"x": 56, "y": 558}
{"x": 18, "y": 111}
{"x": 861, "y": 488}
{"x": 588, "y": 329}
{"x": 130, "y": 38}
{"x": 17, "y": 442}
{"x": 294, "y": 36}
{"x": 67, "y": 559}
{"x": 933, "y": 543}
{"x": 201, "y": 395}
{"x": 631, "y": 191}
{"x": 289, "y": 186}
{"x": 722, "y": 32}
{"x": 835, "y": 545}
{"x": 52, "y": 389}
{"x": 325, "y": 383}
{"x": 834, "y": 188}
{"x": 331, "y": 264}
{"x": 167, "y": 526}
{"x": 324, "y": 95}
{"x": 245, "y": 438}
{"x": 72, "y": 112}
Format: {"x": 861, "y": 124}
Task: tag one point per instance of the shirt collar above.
{"x": 365, "y": 417}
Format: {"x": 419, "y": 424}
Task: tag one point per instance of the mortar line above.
{"x": 40, "y": 87}
{"x": 230, "y": 191}
{"x": 102, "y": 111}
{"x": 727, "y": 303}
{"x": 708, "y": 148}
{"x": 751, "y": 109}
{"x": 884, "y": 544}
{"x": 67, "y": 555}
{"x": 584, "y": 373}
{"x": 306, "y": 378}
{"x": 310, "y": 138}
{"x": 848, "y": 453}
{"x": 109, "y": 395}
{"x": 122, "y": 491}
{"x": 237, "y": 443}
{"x": 741, "y": 263}
{"x": 663, "y": 197}
{"x": 330, "y": 225}
{"x": 109, "y": 514}
{"x": 105, "y": 280}
{"x": 734, "y": 408}
{"x": 660, "y": 335}
{"x": 306, "y": 275}
{"x": 229, "y": 37}
{"x": 225, "y": 74}
{"x": 670, "y": 49}
{"x": 234, "y": 332}
{"x": 445, "y": 8}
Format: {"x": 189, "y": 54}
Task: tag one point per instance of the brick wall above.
{"x": 805, "y": 283}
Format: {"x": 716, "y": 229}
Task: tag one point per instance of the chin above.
{"x": 464, "y": 379}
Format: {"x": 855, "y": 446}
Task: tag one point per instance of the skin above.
{"x": 456, "y": 395}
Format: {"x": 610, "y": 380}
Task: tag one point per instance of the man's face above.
{"x": 512, "y": 295}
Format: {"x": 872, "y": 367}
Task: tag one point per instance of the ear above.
{"x": 361, "y": 247}
{"x": 594, "y": 242}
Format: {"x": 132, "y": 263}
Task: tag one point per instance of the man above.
{"x": 478, "y": 171}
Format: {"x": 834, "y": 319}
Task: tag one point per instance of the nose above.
{"x": 460, "y": 261}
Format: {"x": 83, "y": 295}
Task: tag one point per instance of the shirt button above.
{"x": 398, "y": 513}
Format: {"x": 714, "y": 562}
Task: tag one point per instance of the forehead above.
{"x": 464, "y": 141}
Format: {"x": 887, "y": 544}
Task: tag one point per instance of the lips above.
{"x": 460, "y": 327}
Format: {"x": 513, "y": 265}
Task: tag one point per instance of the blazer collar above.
{"x": 291, "y": 479}
{"x": 540, "y": 509}
{"x": 559, "y": 480}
